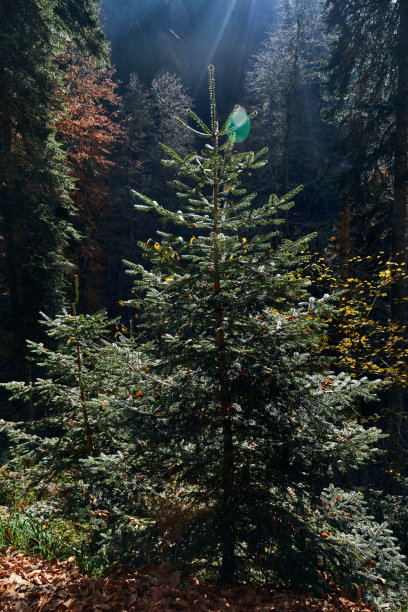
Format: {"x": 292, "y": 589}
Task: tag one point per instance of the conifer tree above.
{"x": 250, "y": 423}
{"x": 35, "y": 181}
{"x": 138, "y": 155}
{"x": 150, "y": 119}
{"x": 139, "y": 125}
{"x": 170, "y": 100}
{"x": 282, "y": 86}
{"x": 218, "y": 432}
{"x": 367, "y": 77}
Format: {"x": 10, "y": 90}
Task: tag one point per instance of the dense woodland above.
{"x": 203, "y": 289}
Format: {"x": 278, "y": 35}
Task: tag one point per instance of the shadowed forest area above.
{"x": 203, "y": 358}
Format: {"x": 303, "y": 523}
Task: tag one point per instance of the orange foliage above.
{"x": 89, "y": 130}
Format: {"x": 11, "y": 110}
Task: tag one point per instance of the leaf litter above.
{"x": 30, "y": 584}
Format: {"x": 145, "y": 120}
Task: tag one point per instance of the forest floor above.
{"x": 30, "y": 584}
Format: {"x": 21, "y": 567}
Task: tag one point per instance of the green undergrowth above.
{"x": 32, "y": 529}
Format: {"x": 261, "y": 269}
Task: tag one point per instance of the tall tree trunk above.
{"x": 345, "y": 246}
{"x": 228, "y": 484}
{"x": 399, "y": 216}
{"x": 285, "y": 145}
{"x": 13, "y": 244}
{"x": 13, "y": 249}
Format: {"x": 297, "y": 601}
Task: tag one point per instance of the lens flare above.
{"x": 239, "y": 124}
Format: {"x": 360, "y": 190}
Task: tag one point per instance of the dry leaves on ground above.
{"x": 31, "y": 584}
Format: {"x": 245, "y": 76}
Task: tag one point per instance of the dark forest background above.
{"x": 184, "y": 38}
{"x": 268, "y": 59}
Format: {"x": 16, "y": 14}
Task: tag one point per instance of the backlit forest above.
{"x": 203, "y": 357}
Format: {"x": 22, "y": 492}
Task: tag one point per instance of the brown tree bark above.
{"x": 228, "y": 484}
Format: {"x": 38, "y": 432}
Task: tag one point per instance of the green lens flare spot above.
{"x": 239, "y": 124}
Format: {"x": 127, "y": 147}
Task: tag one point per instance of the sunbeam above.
{"x": 221, "y": 31}
{"x": 225, "y": 37}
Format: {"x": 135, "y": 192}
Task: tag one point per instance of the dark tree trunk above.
{"x": 399, "y": 216}
{"x": 228, "y": 485}
{"x": 286, "y": 144}
{"x": 345, "y": 246}
{"x": 12, "y": 218}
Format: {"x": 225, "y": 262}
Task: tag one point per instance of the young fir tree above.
{"x": 222, "y": 426}
{"x": 86, "y": 452}
{"x": 249, "y": 422}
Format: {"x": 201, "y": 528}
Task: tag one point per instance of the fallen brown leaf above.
{"x": 32, "y": 585}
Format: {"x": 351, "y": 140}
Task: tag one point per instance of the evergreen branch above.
{"x": 192, "y": 130}
{"x": 200, "y": 122}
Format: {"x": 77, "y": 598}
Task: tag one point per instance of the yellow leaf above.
{"x": 156, "y": 246}
{"x": 244, "y": 240}
{"x": 192, "y": 239}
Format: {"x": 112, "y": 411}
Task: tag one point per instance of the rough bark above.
{"x": 228, "y": 487}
